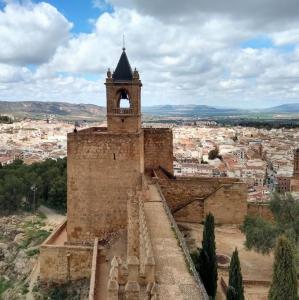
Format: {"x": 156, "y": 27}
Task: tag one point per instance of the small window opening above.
{"x": 114, "y": 156}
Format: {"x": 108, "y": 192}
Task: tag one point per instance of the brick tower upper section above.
{"x": 296, "y": 163}
{"x": 123, "y": 87}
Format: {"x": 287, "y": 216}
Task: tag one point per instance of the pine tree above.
{"x": 284, "y": 280}
{"x": 207, "y": 257}
{"x": 235, "y": 277}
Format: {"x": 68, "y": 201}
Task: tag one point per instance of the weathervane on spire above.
{"x": 124, "y": 46}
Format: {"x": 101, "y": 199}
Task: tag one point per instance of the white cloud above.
{"x": 60, "y": 88}
{"x": 194, "y": 60}
{"x": 9, "y": 74}
{"x": 30, "y": 33}
{"x": 100, "y": 4}
{"x": 257, "y": 12}
{"x": 289, "y": 36}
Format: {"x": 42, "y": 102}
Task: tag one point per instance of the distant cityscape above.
{"x": 261, "y": 158}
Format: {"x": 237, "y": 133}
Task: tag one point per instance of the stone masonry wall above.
{"x": 102, "y": 168}
{"x": 183, "y": 190}
{"x": 123, "y": 123}
{"x": 294, "y": 185}
{"x": 193, "y": 213}
{"x": 191, "y": 198}
{"x": 158, "y": 148}
{"x": 62, "y": 263}
{"x": 261, "y": 210}
{"x": 228, "y": 204}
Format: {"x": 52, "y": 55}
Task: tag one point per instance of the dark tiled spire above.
{"x": 123, "y": 70}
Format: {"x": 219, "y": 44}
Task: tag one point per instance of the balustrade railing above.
{"x": 123, "y": 111}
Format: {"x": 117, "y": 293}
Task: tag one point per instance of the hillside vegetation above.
{"x": 62, "y": 110}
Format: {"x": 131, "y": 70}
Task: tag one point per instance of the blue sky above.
{"x": 80, "y": 12}
{"x": 243, "y": 55}
{"x": 264, "y": 42}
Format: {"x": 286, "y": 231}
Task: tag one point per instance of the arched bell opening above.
{"x": 124, "y": 104}
{"x": 123, "y": 99}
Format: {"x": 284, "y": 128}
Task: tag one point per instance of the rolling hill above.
{"x": 284, "y": 108}
{"x": 35, "y": 109}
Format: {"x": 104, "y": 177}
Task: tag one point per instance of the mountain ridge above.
{"x": 65, "y": 110}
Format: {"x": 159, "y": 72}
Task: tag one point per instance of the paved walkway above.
{"x": 101, "y": 279}
{"x": 173, "y": 278}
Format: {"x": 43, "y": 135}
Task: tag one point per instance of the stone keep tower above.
{"x": 106, "y": 164}
{"x": 123, "y": 86}
{"x": 296, "y": 163}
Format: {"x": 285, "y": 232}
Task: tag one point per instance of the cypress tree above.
{"x": 284, "y": 279}
{"x": 207, "y": 257}
{"x": 231, "y": 294}
{"x": 235, "y": 278}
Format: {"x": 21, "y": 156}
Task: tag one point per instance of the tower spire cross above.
{"x": 124, "y": 45}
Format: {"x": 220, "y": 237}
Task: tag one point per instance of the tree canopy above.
{"x": 6, "y": 119}
{"x": 214, "y": 153}
{"x": 284, "y": 279}
{"x": 261, "y": 235}
{"x": 205, "y": 258}
{"x": 26, "y": 186}
{"x": 235, "y": 284}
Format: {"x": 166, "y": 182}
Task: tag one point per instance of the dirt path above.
{"x": 52, "y": 220}
{"x": 32, "y": 280}
{"x": 255, "y": 266}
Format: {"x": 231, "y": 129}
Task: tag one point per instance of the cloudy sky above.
{"x": 222, "y": 53}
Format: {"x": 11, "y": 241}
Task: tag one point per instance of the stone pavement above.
{"x": 172, "y": 275}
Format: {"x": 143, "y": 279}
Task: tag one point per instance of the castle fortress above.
{"x": 123, "y": 203}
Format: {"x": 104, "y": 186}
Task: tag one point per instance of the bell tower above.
{"x": 123, "y": 90}
{"x": 296, "y": 163}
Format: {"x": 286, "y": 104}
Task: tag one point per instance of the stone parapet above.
{"x": 113, "y": 284}
{"x": 93, "y": 276}
{"x": 63, "y": 263}
{"x": 133, "y": 224}
{"x": 147, "y": 261}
